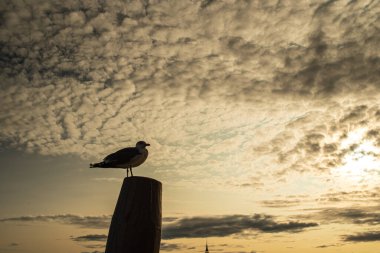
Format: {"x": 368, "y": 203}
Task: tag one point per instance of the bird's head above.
{"x": 141, "y": 144}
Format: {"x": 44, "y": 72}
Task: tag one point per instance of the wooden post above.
{"x": 136, "y": 222}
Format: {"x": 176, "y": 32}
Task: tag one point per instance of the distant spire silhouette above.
{"x": 206, "y": 251}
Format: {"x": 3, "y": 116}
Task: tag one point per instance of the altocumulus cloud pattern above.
{"x": 82, "y": 77}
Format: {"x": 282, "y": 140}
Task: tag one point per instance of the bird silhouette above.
{"x": 125, "y": 158}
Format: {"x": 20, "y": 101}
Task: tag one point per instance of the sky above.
{"x": 263, "y": 119}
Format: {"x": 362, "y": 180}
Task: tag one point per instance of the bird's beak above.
{"x": 147, "y": 144}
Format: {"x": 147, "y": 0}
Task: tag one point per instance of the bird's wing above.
{"x": 122, "y": 156}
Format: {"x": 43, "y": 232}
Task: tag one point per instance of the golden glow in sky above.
{"x": 263, "y": 119}
{"x": 361, "y": 164}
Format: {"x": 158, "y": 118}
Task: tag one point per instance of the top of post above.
{"x": 136, "y": 179}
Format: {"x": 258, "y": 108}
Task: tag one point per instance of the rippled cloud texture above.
{"x": 280, "y": 98}
{"x": 222, "y": 82}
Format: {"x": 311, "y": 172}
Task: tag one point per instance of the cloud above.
{"x": 229, "y": 225}
{"x": 327, "y": 246}
{"x": 280, "y": 203}
{"x": 81, "y": 221}
{"x": 363, "y": 237}
{"x": 170, "y": 246}
{"x": 328, "y": 143}
{"x": 169, "y": 219}
{"x": 194, "y": 78}
{"x": 101, "y": 221}
{"x": 90, "y": 237}
{"x": 178, "y": 227}
{"x": 370, "y": 195}
{"x": 367, "y": 196}
{"x": 368, "y": 215}
{"x": 94, "y": 246}
{"x": 355, "y": 215}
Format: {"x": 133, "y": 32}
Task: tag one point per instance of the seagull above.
{"x": 125, "y": 158}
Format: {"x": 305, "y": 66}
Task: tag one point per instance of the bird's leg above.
{"x": 131, "y": 171}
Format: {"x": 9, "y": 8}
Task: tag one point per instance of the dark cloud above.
{"x": 326, "y": 69}
{"x": 328, "y": 245}
{"x": 280, "y": 203}
{"x": 368, "y": 215}
{"x": 374, "y": 134}
{"x": 372, "y": 195}
{"x": 93, "y": 246}
{"x": 81, "y": 221}
{"x": 170, "y": 246}
{"x": 169, "y": 219}
{"x": 205, "y": 3}
{"x": 356, "y": 114}
{"x": 363, "y": 237}
{"x": 358, "y": 216}
{"x": 228, "y": 225}
{"x": 327, "y": 65}
{"x": 102, "y": 221}
{"x": 90, "y": 237}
